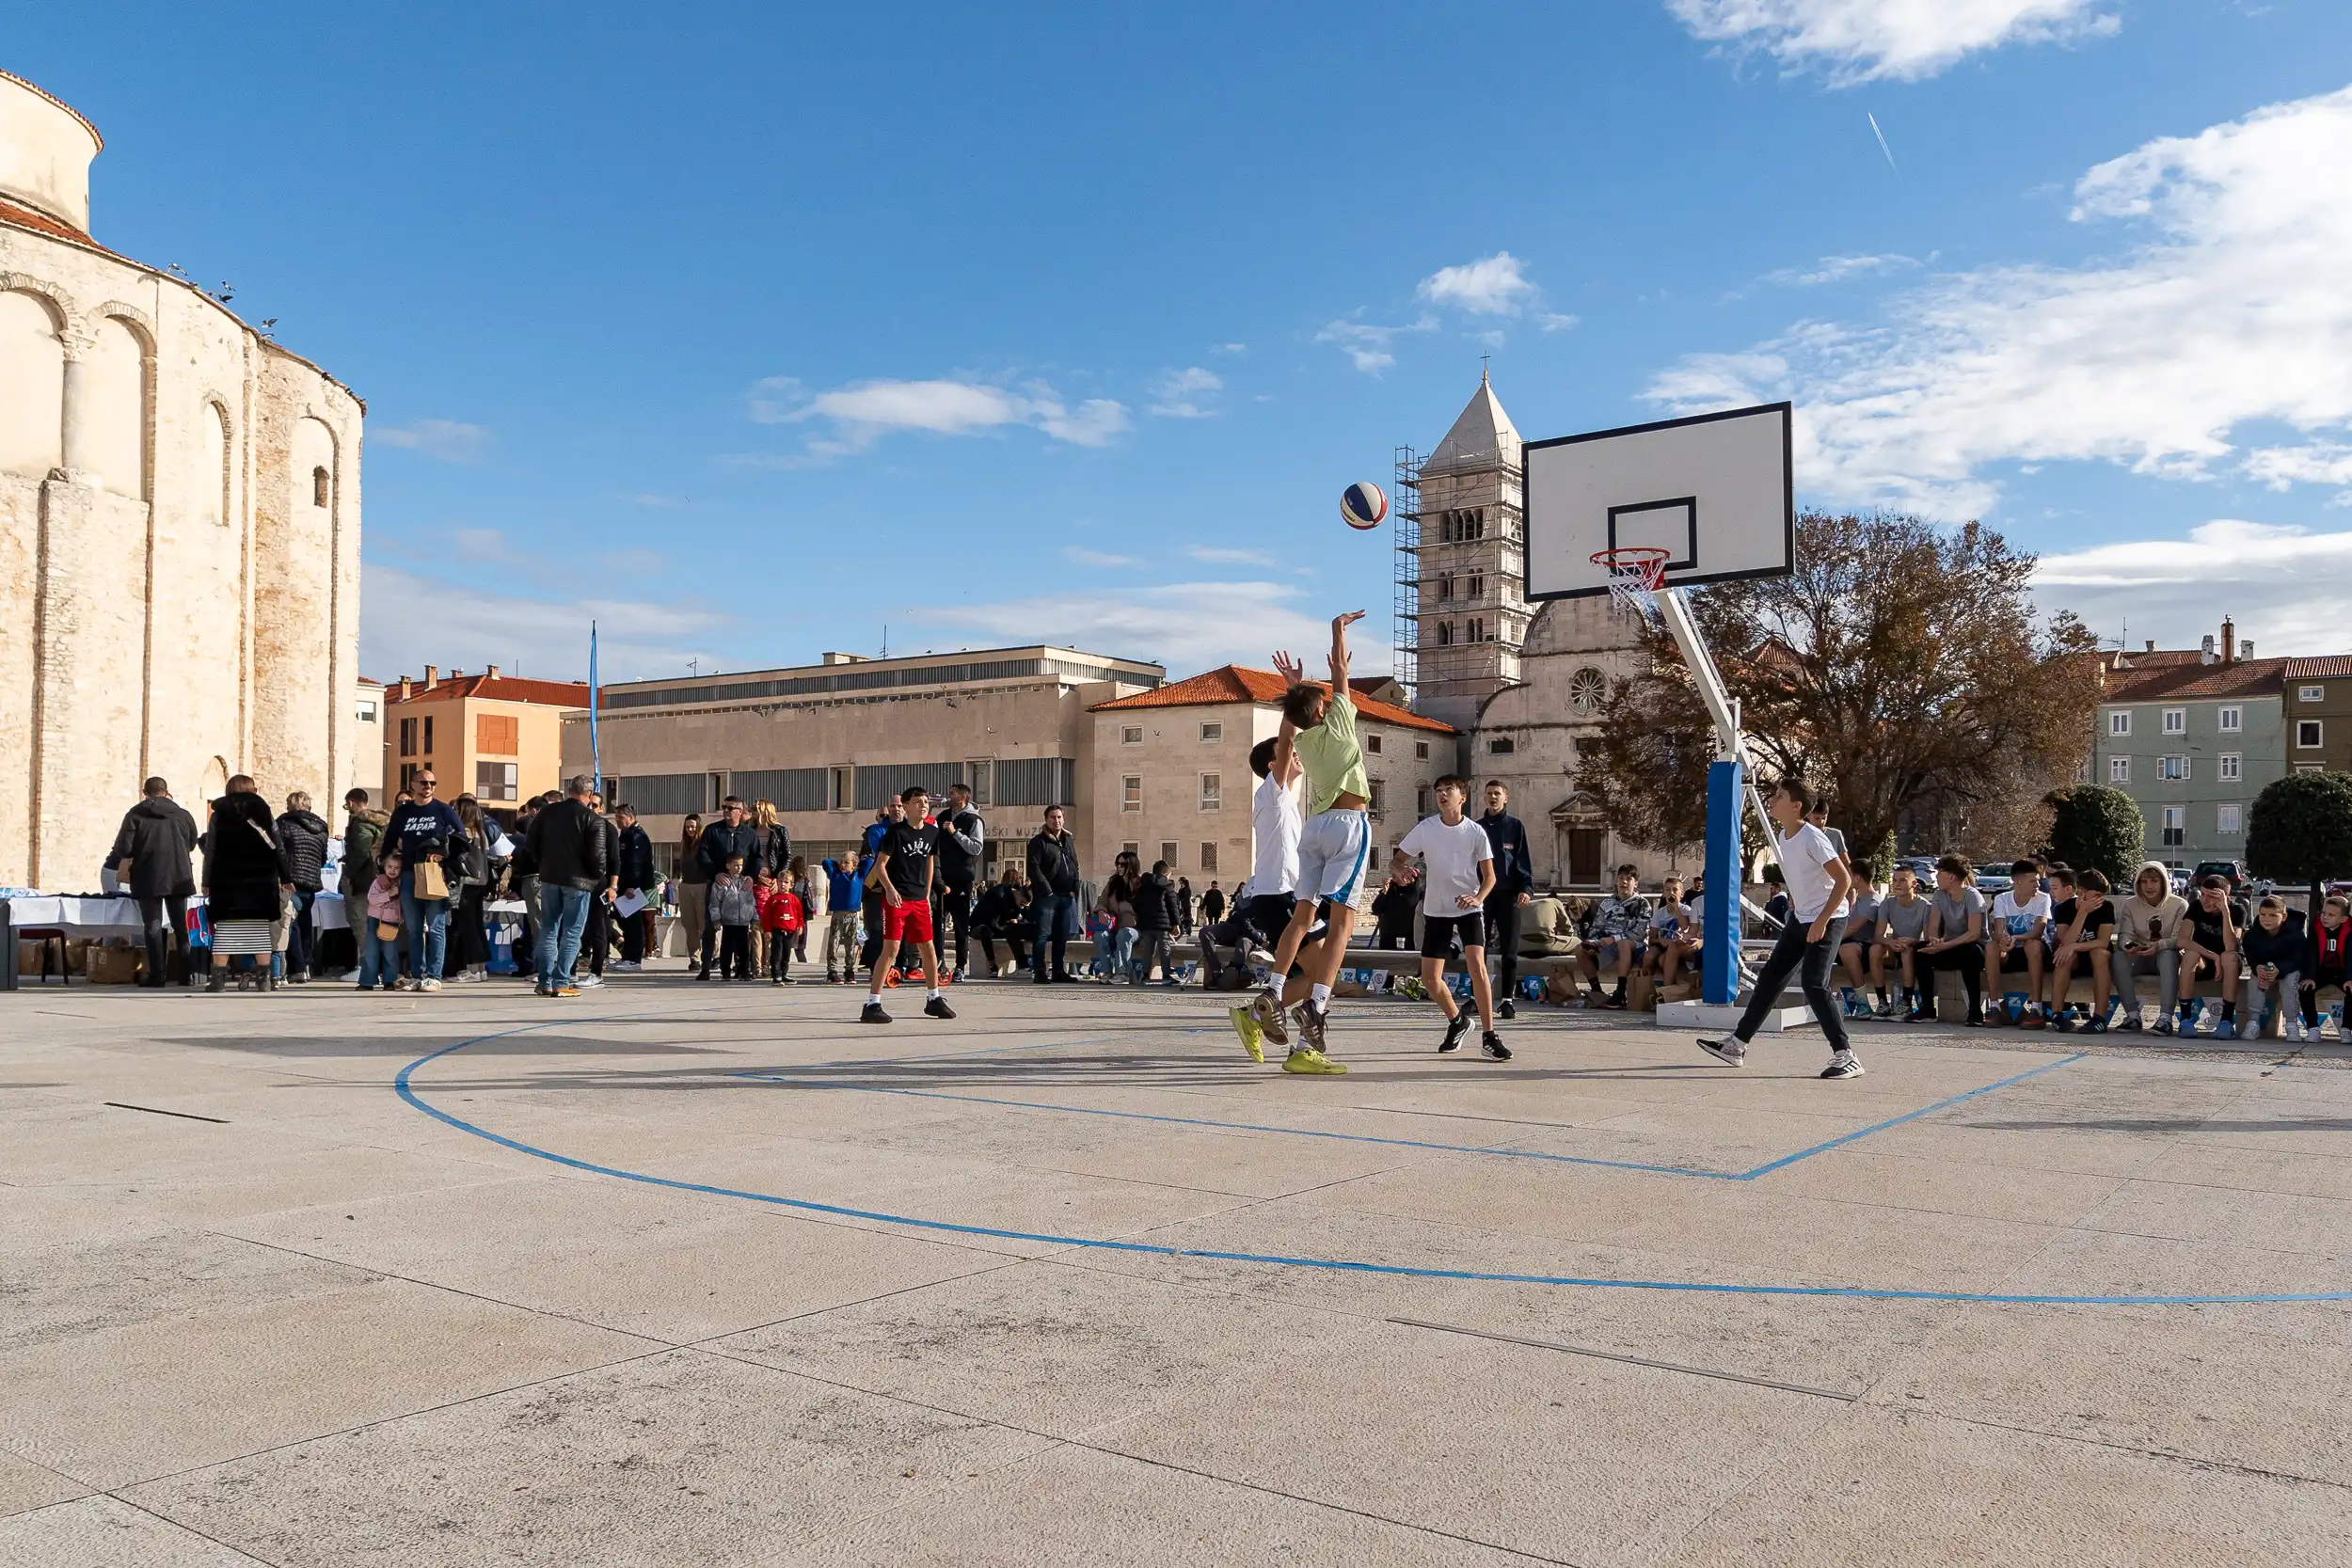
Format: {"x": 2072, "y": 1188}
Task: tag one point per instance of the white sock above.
{"x": 874, "y": 999}
{"x": 934, "y": 993}
{"x": 1319, "y": 994}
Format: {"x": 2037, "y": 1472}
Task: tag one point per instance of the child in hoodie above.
{"x": 781, "y": 917}
{"x": 2324, "y": 965}
{"x": 734, "y": 908}
{"x": 2275, "y": 947}
{"x": 2148, "y": 940}
{"x": 379, "y": 955}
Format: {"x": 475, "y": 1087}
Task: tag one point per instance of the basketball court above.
{"x": 714, "y": 1275}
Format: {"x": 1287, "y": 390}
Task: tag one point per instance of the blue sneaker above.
{"x": 2224, "y": 1030}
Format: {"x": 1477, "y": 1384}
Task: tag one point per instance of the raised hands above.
{"x": 1287, "y": 665}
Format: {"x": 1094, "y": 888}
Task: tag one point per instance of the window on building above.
{"x": 1131, "y": 846}
{"x": 367, "y": 710}
{"x": 428, "y": 736}
{"x": 2232, "y": 765}
{"x": 2310, "y": 768}
{"x": 1474, "y": 586}
{"x": 2229, "y": 820}
{"x": 976, "y": 774}
{"x": 1588, "y": 689}
{"x": 496, "y": 781}
{"x": 1131, "y": 735}
{"x": 1445, "y": 634}
{"x": 1421, "y": 801}
{"x": 1167, "y": 851}
{"x": 2310, "y": 693}
{"x": 1211, "y": 792}
{"x": 1372, "y": 744}
{"x": 2119, "y": 722}
{"x": 1420, "y": 749}
{"x": 498, "y": 734}
{"x": 1131, "y": 792}
{"x": 1208, "y": 856}
{"x": 2233, "y": 719}
{"x": 844, "y": 790}
{"x": 408, "y": 737}
{"x": 2176, "y": 720}
{"x": 2175, "y": 827}
{"x": 1379, "y": 795}
{"x": 1211, "y": 732}
{"x": 1475, "y": 631}
{"x": 407, "y": 772}
{"x": 2307, "y": 734}
{"x": 2172, "y": 769}
{"x": 2119, "y": 771}
{"x": 1445, "y": 587}
{"x": 1501, "y": 746}
{"x": 320, "y": 485}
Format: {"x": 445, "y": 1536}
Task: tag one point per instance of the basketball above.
{"x": 1364, "y": 505}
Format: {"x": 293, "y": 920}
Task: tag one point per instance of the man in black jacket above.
{"x": 962, "y": 838}
{"x": 151, "y": 854}
{"x": 304, "y": 834}
{"x": 633, "y": 872}
{"x": 1515, "y": 875}
{"x": 1054, "y": 894}
{"x": 567, "y": 841}
{"x": 596, "y": 943}
{"x": 1155, "y": 919}
{"x": 733, "y": 834}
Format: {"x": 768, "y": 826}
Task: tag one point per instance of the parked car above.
{"x": 2230, "y": 870}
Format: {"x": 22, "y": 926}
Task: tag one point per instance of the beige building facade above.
{"x": 366, "y": 760}
{"x": 179, "y": 529}
{"x": 828, "y": 743}
{"x": 497, "y": 737}
{"x": 1172, "y": 778}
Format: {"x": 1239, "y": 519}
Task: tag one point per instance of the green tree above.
{"x": 1902, "y": 668}
{"x": 2300, "y": 832}
{"x": 2094, "y": 825}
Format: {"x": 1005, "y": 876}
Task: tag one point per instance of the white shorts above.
{"x": 1333, "y": 851}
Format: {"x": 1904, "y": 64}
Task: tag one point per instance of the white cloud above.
{"x": 407, "y": 619}
{"x": 1219, "y": 556}
{"x": 1368, "y": 345}
{"x": 1552, "y": 320}
{"x": 448, "y": 440}
{"x": 648, "y": 498}
{"x": 2321, "y": 462}
{"x": 1231, "y": 348}
{"x": 1078, "y": 555}
{"x": 1836, "y": 269}
{"x": 1178, "y": 394}
{"x": 1862, "y": 40}
{"x": 2232, "y": 311}
{"x": 1491, "y": 286}
{"x": 1188, "y": 626}
{"x": 860, "y": 413}
{"x": 2284, "y": 586}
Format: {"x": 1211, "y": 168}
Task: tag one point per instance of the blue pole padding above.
{"x": 1719, "y": 977}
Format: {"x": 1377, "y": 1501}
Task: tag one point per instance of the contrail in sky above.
{"x": 1882, "y": 136}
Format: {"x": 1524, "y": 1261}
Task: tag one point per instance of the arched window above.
{"x": 32, "y": 373}
{"x": 216, "y": 504}
{"x": 319, "y": 486}
{"x": 1588, "y": 689}
{"x": 114, "y": 408}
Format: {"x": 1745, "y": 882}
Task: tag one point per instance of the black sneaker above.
{"x": 1310, "y": 1020}
{"x": 1730, "y": 1051}
{"x": 873, "y": 1014}
{"x": 702, "y": 975}
{"x": 1506, "y": 1009}
{"x": 937, "y": 1007}
{"x": 1457, "y": 1026}
{"x": 1842, "y": 1064}
{"x": 1921, "y": 1014}
{"x": 2129, "y": 1024}
{"x": 1491, "y": 1047}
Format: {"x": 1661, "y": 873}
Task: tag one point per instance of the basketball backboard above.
{"x": 1715, "y": 490}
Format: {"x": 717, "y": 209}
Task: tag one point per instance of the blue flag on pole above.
{"x": 596, "y": 756}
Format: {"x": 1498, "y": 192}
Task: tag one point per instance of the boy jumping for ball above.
{"x": 904, "y": 863}
{"x": 1460, "y": 863}
{"x": 1334, "y": 848}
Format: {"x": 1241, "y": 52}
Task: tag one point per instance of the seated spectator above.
{"x": 1955, "y": 938}
{"x": 1614, "y": 936}
{"x": 2209, "y": 951}
{"x": 2082, "y": 923}
{"x": 1673, "y": 938}
{"x": 2148, "y": 940}
{"x": 1862, "y": 924}
{"x": 2275, "y": 948}
{"x": 2324, "y": 965}
{"x": 1901, "y": 931}
{"x": 2021, "y": 914}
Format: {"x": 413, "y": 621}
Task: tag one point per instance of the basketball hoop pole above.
{"x": 1730, "y": 785}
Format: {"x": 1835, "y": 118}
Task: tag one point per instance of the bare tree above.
{"x": 1902, "y": 668}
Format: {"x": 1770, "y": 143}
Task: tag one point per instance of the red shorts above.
{"x": 908, "y": 920}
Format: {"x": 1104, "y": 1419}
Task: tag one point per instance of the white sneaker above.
{"x": 589, "y": 981}
{"x": 404, "y": 982}
{"x": 626, "y": 966}
{"x": 428, "y": 983}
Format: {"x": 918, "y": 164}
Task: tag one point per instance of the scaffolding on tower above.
{"x": 1405, "y": 596}
{"x": 1459, "y": 524}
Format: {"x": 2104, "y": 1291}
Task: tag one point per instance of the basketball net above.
{"x": 1636, "y": 573}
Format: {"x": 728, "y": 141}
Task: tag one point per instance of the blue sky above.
{"x": 749, "y": 329}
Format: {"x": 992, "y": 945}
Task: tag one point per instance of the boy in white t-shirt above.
{"x": 1674, "y": 934}
{"x": 1817, "y": 881}
{"x": 1458, "y": 861}
{"x": 2021, "y": 912}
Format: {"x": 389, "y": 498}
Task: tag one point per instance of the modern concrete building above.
{"x": 2318, "y": 703}
{"x": 2193, "y": 735}
{"x": 179, "y": 529}
{"x": 1173, "y": 779}
{"x": 498, "y": 738}
{"x": 829, "y": 742}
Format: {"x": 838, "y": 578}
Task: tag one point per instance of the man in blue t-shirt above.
{"x": 423, "y": 830}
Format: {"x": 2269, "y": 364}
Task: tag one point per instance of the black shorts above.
{"x": 2014, "y": 961}
{"x": 1269, "y": 915}
{"x": 1443, "y": 937}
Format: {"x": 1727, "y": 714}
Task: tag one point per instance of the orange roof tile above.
{"x": 2247, "y": 677}
{"x": 505, "y": 689}
{"x": 1236, "y": 683}
{"x": 2317, "y": 668}
{"x": 41, "y": 223}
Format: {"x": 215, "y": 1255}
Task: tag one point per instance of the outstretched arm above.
{"x": 1339, "y": 649}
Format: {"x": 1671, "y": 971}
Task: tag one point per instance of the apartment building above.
{"x": 1171, "y": 771}
{"x": 2192, "y": 736}
{"x": 2317, "y": 694}
{"x": 497, "y": 737}
{"x": 828, "y": 743}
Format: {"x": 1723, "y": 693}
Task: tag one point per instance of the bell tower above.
{"x": 1461, "y": 610}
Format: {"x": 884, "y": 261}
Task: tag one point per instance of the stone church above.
{"x": 179, "y": 530}
{"x": 1524, "y": 682}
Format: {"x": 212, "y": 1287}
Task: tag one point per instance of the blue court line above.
{"x": 1492, "y": 1151}
{"x": 1338, "y": 1265}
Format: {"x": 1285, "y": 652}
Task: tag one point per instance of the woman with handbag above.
{"x": 246, "y": 874}
{"x": 427, "y": 834}
{"x": 470, "y": 941}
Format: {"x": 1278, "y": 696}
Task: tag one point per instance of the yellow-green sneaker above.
{"x": 1310, "y": 1061}
{"x": 1252, "y": 1036}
